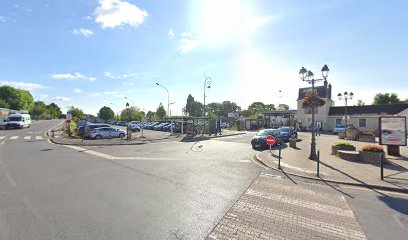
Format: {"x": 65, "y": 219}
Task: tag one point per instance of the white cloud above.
{"x": 43, "y": 97}
{"x": 125, "y": 75}
{"x": 72, "y": 76}
{"x": 82, "y": 31}
{"x": 171, "y": 34}
{"x": 78, "y": 90}
{"x": 188, "y": 42}
{"x": 128, "y": 84}
{"x": 23, "y": 85}
{"x": 3, "y": 19}
{"x": 116, "y": 13}
{"x": 117, "y": 94}
{"x": 61, "y": 99}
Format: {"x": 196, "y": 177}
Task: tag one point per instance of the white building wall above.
{"x": 322, "y": 114}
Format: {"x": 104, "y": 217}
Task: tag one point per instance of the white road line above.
{"x": 27, "y": 137}
{"x": 14, "y": 137}
{"x": 2, "y": 137}
{"x": 38, "y": 137}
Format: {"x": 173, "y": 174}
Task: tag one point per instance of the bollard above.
{"x": 280, "y": 148}
{"x": 318, "y": 163}
{"x": 52, "y": 133}
{"x": 382, "y": 167}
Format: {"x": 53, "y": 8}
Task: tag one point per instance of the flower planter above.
{"x": 370, "y": 157}
{"x": 352, "y": 134}
{"x": 342, "y": 135}
{"x": 347, "y": 148}
{"x": 366, "y": 138}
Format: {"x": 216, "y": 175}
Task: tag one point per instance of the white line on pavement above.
{"x": 14, "y": 137}
{"x": 2, "y": 137}
{"x": 27, "y": 137}
{"x": 38, "y": 137}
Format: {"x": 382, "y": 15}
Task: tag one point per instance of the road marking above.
{"x": 2, "y": 137}
{"x": 27, "y": 137}
{"x": 38, "y": 137}
{"x": 14, "y": 137}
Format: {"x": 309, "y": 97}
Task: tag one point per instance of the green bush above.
{"x": 342, "y": 144}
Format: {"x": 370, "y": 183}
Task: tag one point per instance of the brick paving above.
{"x": 277, "y": 208}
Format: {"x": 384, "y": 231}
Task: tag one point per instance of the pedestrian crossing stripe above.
{"x": 14, "y": 137}
{"x": 2, "y": 137}
{"x": 38, "y": 137}
{"x": 27, "y": 137}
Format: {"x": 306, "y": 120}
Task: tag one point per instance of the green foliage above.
{"x": 131, "y": 114}
{"x": 222, "y": 109}
{"x": 360, "y": 102}
{"x": 161, "y": 112}
{"x": 188, "y": 108}
{"x": 17, "y": 99}
{"x": 283, "y": 107}
{"x": 246, "y": 113}
{"x": 4, "y": 104}
{"x": 54, "y": 110}
{"x": 39, "y": 110}
{"x": 342, "y": 144}
{"x": 196, "y": 109}
{"x": 77, "y": 114}
{"x": 106, "y": 113}
{"x": 386, "y": 98}
{"x": 151, "y": 116}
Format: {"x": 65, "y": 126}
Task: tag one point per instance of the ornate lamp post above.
{"x": 345, "y": 96}
{"x": 127, "y": 125}
{"x": 207, "y": 84}
{"x": 168, "y": 98}
{"x": 307, "y": 76}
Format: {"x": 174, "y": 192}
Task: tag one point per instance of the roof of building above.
{"x": 321, "y": 91}
{"x": 369, "y": 109}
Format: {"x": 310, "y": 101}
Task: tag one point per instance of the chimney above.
{"x": 329, "y": 91}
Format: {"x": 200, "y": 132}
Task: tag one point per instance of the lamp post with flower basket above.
{"x": 312, "y": 100}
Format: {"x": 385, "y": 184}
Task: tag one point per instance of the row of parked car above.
{"x": 281, "y": 135}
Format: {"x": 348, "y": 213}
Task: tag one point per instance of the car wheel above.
{"x": 122, "y": 135}
{"x": 98, "y": 137}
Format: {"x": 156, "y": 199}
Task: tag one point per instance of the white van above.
{"x": 18, "y": 120}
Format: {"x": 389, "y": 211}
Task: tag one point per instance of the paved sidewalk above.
{"x": 333, "y": 168}
{"x": 276, "y": 208}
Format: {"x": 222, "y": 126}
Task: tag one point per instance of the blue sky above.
{"x": 91, "y": 53}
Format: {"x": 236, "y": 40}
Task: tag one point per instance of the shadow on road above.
{"x": 396, "y": 203}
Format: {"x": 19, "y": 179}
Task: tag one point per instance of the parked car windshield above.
{"x": 267, "y": 132}
{"x": 285, "y": 129}
{"x": 340, "y": 126}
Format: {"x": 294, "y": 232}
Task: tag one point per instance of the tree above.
{"x": 54, "y": 110}
{"x": 4, "y": 104}
{"x": 190, "y": 100}
{"x": 386, "y": 98}
{"x": 150, "y": 115}
{"x": 76, "y": 113}
{"x": 269, "y": 107}
{"x": 246, "y": 113}
{"x": 39, "y": 110}
{"x": 256, "y": 108}
{"x": 196, "y": 109}
{"x": 360, "y": 102}
{"x": 106, "y": 113}
{"x": 161, "y": 112}
{"x": 283, "y": 107}
{"x": 16, "y": 98}
{"x": 130, "y": 114}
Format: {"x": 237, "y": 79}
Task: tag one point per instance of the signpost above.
{"x": 393, "y": 133}
{"x": 270, "y": 140}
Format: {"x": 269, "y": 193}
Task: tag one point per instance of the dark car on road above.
{"x": 259, "y": 140}
{"x": 287, "y": 132}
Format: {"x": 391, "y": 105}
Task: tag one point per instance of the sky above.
{"x": 95, "y": 53}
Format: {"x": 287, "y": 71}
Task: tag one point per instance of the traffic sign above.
{"x": 270, "y": 140}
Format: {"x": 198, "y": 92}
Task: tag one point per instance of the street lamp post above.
{"x": 127, "y": 125}
{"x": 345, "y": 96}
{"x": 168, "y": 98}
{"x": 307, "y": 76}
{"x": 170, "y": 110}
{"x": 207, "y": 84}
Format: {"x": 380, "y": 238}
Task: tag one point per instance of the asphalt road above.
{"x": 155, "y": 191}
{"x": 54, "y": 192}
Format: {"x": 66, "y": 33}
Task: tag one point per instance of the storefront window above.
{"x": 362, "y": 122}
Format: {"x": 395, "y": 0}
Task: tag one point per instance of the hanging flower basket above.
{"x": 311, "y": 99}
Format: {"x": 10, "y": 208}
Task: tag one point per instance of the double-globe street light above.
{"x": 346, "y": 96}
{"x": 168, "y": 98}
{"x": 307, "y": 76}
{"x": 207, "y": 84}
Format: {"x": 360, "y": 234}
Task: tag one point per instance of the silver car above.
{"x": 107, "y": 132}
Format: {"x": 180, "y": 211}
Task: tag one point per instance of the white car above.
{"x": 107, "y": 132}
{"x": 18, "y": 120}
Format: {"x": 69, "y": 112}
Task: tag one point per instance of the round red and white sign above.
{"x": 270, "y": 140}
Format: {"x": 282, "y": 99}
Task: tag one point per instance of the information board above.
{"x": 393, "y": 131}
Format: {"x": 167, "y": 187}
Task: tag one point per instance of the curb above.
{"x": 370, "y": 186}
{"x": 95, "y": 144}
{"x": 211, "y": 137}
